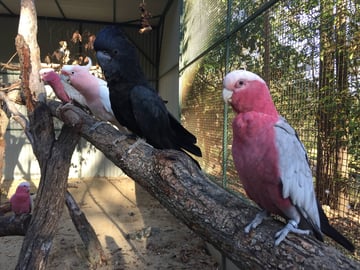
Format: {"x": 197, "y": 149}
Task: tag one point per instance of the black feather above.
{"x": 330, "y": 231}
{"x": 135, "y": 104}
{"x": 308, "y": 224}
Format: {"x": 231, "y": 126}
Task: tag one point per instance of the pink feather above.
{"x": 94, "y": 90}
{"x": 20, "y": 201}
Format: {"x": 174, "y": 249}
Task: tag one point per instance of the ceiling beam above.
{"x": 60, "y": 9}
{"x": 7, "y": 8}
{"x": 114, "y": 11}
{"x": 127, "y": 23}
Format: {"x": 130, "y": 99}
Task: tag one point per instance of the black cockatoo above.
{"x": 136, "y": 105}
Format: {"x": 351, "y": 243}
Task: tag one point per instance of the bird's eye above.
{"x": 115, "y": 51}
{"x": 240, "y": 83}
{"x": 72, "y": 72}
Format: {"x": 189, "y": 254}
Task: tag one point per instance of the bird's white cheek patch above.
{"x": 227, "y": 94}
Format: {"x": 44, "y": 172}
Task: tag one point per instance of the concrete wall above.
{"x": 169, "y": 60}
{"x": 21, "y": 163}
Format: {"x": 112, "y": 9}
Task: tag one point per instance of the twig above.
{"x": 13, "y": 86}
{"x": 17, "y": 115}
{"x": 8, "y": 63}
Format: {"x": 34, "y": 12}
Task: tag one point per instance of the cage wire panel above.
{"x": 308, "y": 53}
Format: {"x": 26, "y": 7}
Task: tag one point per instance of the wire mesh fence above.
{"x": 308, "y": 53}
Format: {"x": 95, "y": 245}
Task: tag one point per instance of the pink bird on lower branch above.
{"x": 94, "y": 90}
{"x": 21, "y": 201}
{"x": 271, "y": 161}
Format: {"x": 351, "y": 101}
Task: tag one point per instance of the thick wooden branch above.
{"x": 14, "y": 225}
{"x": 213, "y": 213}
{"x": 18, "y": 225}
{"x": 5, "y": 208}
{"x": 25, "y": 70}
{"x": 50, "y": 199}
{"x": 53, "y": 154}
{"x": 95, "y": 252}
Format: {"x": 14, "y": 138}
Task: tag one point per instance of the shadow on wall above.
{"x": 21, "y": 163}
{"x": 16, "y": 143}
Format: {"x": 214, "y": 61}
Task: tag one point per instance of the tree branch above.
{"x": 25, "y": 70}
{"x": 16, "y": 115}
{"x": 95, "y": 253}
{"x": 53, "y": 154}
{"x": 213, "y": 213}
{"x": 18, "y": 225}
{"x": 50, "y": 199}
{"x": 14, "y": 225}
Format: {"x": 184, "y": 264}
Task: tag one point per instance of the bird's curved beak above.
{"x": 227, "y": 94}
{"x": 103, "y": 57}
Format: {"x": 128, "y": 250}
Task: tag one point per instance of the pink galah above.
{"x": 21, "y": 201}
{"x": 50, "y": 77}
{"x": 94, "y": 90}
{"x": 271, "y": 161}
{"x": 62, "y": 89}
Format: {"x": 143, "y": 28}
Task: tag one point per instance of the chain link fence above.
{"x": 308, "y": 52}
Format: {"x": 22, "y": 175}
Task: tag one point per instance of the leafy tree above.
{"x": 308, "y": 53}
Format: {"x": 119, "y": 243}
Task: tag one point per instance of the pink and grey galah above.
{"x": 271, "y": 161}
{"x": 21, "y": 202}
{"x": 94, "y": 90}
{"x": 62, "y": 89}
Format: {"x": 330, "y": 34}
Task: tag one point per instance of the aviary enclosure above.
{"x": 308, "y": 52}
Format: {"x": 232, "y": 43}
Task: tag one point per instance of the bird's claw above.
{"x": 290, "y": 227}
{"x": 256, "y": 221}
{"x": 135, "y": 144}
{"x": 63, "y": 107}
{"x": 96, "y": 125}
{"x": 121, "y": 138}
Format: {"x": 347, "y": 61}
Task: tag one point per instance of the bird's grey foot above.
{"x": 135, "y": 144}
{"x": 96, "y": 125}
{"x": 256, "y": 221}
{"x": 119, "y": 139}
{"x": 63, "y": 108}
{"x": 58, "y": 110}
{"x": 292, "y": 226}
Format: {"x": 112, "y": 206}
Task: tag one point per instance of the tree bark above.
{"x": 4, "y": 121}
{"x": 49, "y": 203}
{"x": 95, "y": 253}
{"x": 14, "y": 225}
{"x": 53, "y": 154}
{"x": 215, "y": 214}
{"x": 18, "y": 225}
{"x": 4, "y": 208}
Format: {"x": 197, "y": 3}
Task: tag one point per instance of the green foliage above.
{"x": 307, "y": 51}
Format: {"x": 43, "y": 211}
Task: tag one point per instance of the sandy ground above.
{"x": 135, "y": 231}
